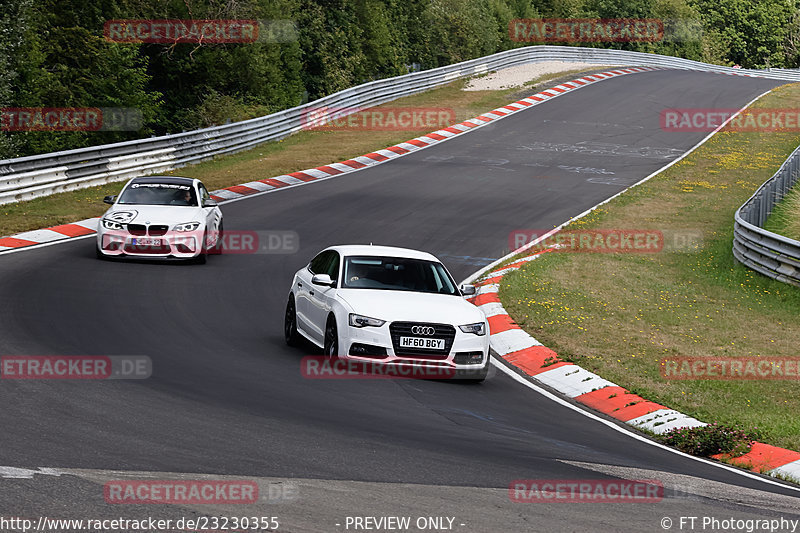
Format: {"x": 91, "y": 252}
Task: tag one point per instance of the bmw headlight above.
{"x": 360, "y": 321}
{"x": 110, "y": 224}
{"x": 187, "y": 226}
{"x": 478, "y": 328}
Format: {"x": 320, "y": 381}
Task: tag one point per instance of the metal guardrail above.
{"x": 25, "y": 178}
{"x": 770, "y": 254}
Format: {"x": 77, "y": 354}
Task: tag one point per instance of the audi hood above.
{"x": 392, "y": 305}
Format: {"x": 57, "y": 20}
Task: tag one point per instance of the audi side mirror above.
{"x": 208, "y": 202}
{"x": 109, "y": 199}
{"x": 323, "y": 279}
{"x": 468, "y": 290}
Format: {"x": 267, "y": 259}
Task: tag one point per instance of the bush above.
{"x": 712, "y": 439}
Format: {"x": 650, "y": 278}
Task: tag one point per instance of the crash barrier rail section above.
{"x": 770, "y": 254}
{"x": 29, "y": 177}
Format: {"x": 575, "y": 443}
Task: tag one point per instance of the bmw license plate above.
{"x": 147, "y": 242}
{"x": 422, "y": 342}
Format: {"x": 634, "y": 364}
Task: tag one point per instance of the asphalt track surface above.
{"x": 227, "y": 398}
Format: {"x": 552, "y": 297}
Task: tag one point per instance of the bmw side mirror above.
{"x": 208, "y": 202}
{"x": 468, "y": 290}
{"x": 110, "y": 199}
{"x": 322, "y": 279}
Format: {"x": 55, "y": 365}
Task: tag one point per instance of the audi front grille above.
{"x": 440, "y": 331}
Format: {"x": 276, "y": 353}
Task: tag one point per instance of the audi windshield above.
{"x": 397, "y": 273}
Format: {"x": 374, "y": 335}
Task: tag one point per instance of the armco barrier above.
{"x": 770, "y": 254}
{"x": 41, "y": 175}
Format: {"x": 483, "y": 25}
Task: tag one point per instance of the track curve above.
{"x": 226, "y": 395}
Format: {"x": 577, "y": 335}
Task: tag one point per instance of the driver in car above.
{"x": 183, "y": 198}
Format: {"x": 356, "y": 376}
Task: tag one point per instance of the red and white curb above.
{"x": 264, "y": 186}
{"x": 412, "y": 145}
{"x": 541, "y": 364}
{"x": 47, "y": 235}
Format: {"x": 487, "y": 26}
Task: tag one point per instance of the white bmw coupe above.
{"x": 161, "y": 217}
{"x": 390, "y": 305}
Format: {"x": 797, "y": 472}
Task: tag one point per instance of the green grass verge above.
{"x": 306, "y": 149}
{"x": 620, "y": 314}
{"x": 785, "y": 217}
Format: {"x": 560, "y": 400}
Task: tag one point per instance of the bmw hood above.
{"x": 154, "y": 214}
{"x": 405, "y": 306}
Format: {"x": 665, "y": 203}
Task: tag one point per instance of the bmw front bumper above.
{"x": 180, "y": 245}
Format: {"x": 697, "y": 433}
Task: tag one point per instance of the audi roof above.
{"x": 382, "y": 251}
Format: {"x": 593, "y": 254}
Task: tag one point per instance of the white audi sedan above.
{"x": 162, "y": 217}
{"x": 390, "y": 305}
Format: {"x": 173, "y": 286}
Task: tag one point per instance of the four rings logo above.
{"x": 422, "y": 330}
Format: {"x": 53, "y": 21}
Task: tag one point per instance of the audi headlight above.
{"x": 187, "y": 226}
{"x": 478, "y": 328}
{"x": 110, "y": 224}
{"x": 360, "y": 321}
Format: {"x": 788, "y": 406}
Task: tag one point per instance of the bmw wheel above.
{"x": 202, "y": 257}
{"x": 217, "y": 249}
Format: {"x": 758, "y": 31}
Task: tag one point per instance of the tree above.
{"x": 751, "y": 34}
{"x": 63, "y": 61}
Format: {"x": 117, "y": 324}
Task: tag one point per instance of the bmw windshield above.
{"x": 159, "y": 194}
{"x": 397, "y": 273}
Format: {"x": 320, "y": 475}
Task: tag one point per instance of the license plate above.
{"x": 422, "y": 342}
{"x": 147, "y": 242}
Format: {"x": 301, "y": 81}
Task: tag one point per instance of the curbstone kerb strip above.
{"x": 81, "y": 228}
{"x": 522, "y": 351}
{"x": 265, "y": 186}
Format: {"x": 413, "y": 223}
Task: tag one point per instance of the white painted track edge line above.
{"x": 633, "y": 434}
{"x": 370, "y": 165}
{"x": 50, "y": 243}
{"x": 531, "y": 244}
{"x": 432, "y": 142}
{"x": 517, "y": 377}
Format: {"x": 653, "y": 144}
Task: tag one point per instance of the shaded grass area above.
{"x": 620, "y": 315}
{"x": 305, "y": 149}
